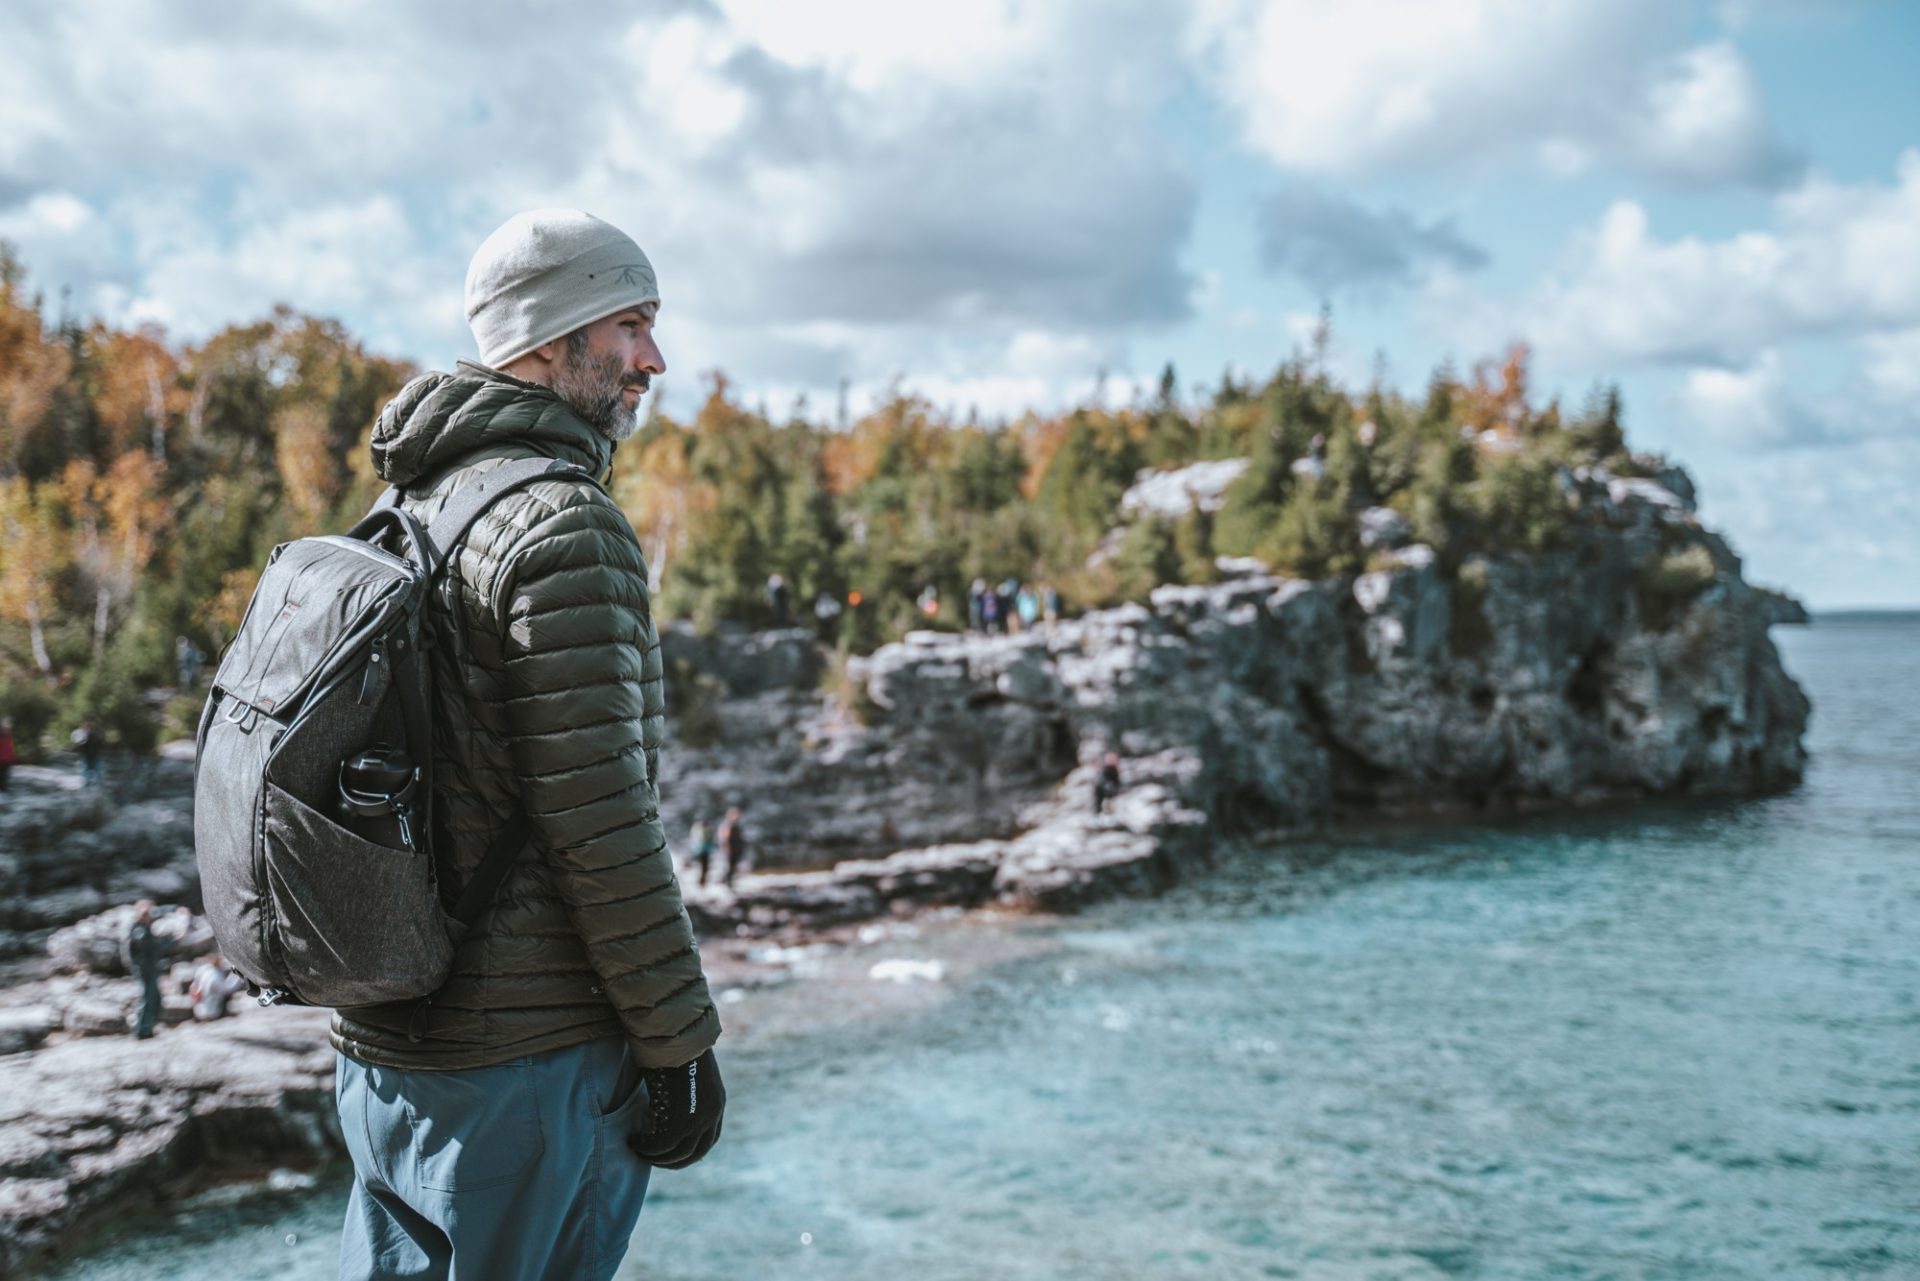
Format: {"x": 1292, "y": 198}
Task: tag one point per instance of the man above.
{"x": 1107, "y": 786}
{"x": 733, "y": 843}
{"x": 700, "y": 838}
{"x": 187, "y": 657}
{"x": 89, "y": 743}
{"x": 507, "y": 1125}
{"x": 143, "y": 950}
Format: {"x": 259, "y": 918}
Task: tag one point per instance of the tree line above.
{"x": 143, "y": 483}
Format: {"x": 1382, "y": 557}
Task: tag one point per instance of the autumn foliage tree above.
{"x": 142, "y": 485}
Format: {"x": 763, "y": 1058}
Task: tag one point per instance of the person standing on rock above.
{"x": 700, "y": 837}
{"x": 144, "y": 951}
{"x": 9, "y": 755}
{"x": 826, "y": 615}
{"x": 1107, "y": 786}
{"x": 777, "y": 599}
{"x": 733, "y": 843}
{"x": 89, "y": 743}
{"x": 507, "y": 1126}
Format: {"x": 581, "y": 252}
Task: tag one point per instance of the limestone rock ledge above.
{"x": 99, "y": 1127}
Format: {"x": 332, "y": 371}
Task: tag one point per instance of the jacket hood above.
{"x": 439, "y": 420}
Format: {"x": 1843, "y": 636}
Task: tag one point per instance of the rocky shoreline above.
{"x": 956, "y": 772}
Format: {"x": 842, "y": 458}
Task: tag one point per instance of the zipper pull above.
{"x": 414, "y": 1031}
{"x": 375, "y": 663}
{"x": 404, "y": 813}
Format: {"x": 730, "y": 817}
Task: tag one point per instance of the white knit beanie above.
{"x": 545, "y": 273}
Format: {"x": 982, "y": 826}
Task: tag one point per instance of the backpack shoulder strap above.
{"x": 476, "y": 495}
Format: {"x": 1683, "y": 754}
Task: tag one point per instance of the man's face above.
{"x": 605, "y": 368}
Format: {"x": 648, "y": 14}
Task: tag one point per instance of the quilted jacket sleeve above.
{"x": 585, "y": 715}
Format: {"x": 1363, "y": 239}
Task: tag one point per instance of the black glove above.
{"x": 684, "y": 1106}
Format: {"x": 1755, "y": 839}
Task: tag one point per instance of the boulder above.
{"x": 99, "y": 1128}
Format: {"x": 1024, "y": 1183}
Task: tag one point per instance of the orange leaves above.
{"x": 1498, "y": 397}
{"x": 309, "y": 471}
{"x": 137, "y": 392}
{"x": 31, "y": 370}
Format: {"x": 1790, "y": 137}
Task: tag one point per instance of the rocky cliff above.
{"x": 955, "y": 769}
{"x": 1634, "y": 662}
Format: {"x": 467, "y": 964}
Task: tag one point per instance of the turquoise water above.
{"x": 1666, "y": 1042}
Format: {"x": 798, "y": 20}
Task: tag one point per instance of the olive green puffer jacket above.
{"x": 547, "y": 694}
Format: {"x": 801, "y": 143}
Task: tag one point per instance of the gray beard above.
{"x": 591, "y": 386}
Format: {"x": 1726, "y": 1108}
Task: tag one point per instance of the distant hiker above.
{"x": 928, "y": 601}
{"x": 990, "y": 607}
{"x": 976, "y": 595}
{"x": 213, "y": 986}
{"x": 143, "y": 950}
{"x": 777, "y": 600}
{"x": 187, "y": 658}
{"x": 1107, "y": 786}
{"x": 733, "y": 843}
{"x": 700, "y": 838}
{"x": 9, "y": 755}
{"x": 1049, "y": 604}
{"x": 1027, "y": 606}
{"x": 508, "y": 1125}
{"x": 90, "y": 743}
{"x": 1009, "y": 592}
{"x": 826, "y": 616}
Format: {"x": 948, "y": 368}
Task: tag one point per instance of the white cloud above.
{"x": 1367, "y": 85}
{"x": 945, "y": 175}
{"x": 1892, "y": 368}
{"x": 1334, "y": 244}
{"x": 1841, "y": 260}
{"x": 1705, "y": 121}
{"x": 1751, "y": 406}
{"x": 1837, "y": 534}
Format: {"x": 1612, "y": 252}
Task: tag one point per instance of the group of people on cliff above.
{"x": 1004, "y": 608}
{"x": 727, "y": 839}
{"x": 1010, "y": 606}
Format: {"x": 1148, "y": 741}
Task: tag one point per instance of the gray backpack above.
{"x": 313, "y": 789}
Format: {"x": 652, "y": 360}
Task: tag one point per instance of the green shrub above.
{"x": 1314, "y": 537}
{"x": 1469, "y": 634}
{"x": 109, "y": 696}
{"x": 1148, "y": 556}
{"x": 31, "y": 705}
{"x": 1667, "y": 584}
{"x": 693, "y": 700}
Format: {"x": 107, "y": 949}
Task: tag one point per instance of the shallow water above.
{"x": 1667, "y": 1042}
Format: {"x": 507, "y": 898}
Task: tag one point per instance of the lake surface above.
{"x": 1674, "y": 1041}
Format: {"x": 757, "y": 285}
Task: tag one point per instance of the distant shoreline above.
{"x": 1898, "y": 614}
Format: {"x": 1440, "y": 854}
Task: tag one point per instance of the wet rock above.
{"x": 25, "y": 1027}
{"x": 92, "y": 1128}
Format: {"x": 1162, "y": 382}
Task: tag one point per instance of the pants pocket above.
{"x": 628, "y": 1099}
{"x": 475, "y": 1128}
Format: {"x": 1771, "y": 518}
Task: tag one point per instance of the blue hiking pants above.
{"x": 504, "y": 1173}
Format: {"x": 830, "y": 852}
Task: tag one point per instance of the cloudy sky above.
{"x": 1716, "y": 202}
